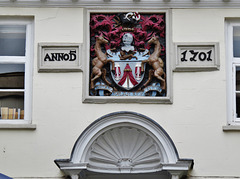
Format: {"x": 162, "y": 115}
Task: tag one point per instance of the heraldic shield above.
{"x": 127, "y": 73}
{"x": 127, "y": 54}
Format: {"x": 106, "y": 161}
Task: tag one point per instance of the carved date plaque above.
{"x": 196, "y": 57}
{"x": 59, "y": 57}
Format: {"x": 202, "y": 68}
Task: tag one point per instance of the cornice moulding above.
{"x": 143, "y": 4}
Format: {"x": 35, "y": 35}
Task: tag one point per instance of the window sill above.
{"x": 18, "y": 126}
{"x": 231, "y": 128}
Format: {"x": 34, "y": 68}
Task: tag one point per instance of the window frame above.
{"x": 231, "y": 64}
{"x": 27, "y": 60}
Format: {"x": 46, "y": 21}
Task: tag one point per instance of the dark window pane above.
{"x": 238, "y": 78}
{"x": 12, "y": 40}
{"x": 12, "y": 105}
{"x": 236, "y": 41}
{"x": 12, "y": 76}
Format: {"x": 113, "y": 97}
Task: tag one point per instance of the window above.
{"x": 15, "y": 70}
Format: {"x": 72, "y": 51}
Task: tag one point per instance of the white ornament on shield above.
{"x": 117, "y": 71}
{"x": 138, "y": 71}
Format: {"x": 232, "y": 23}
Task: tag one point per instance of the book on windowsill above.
{"x": 18, "y": 113}
{"x": 4, "y": 112}
{"x": 22, "y": 114}
{"x": 10, "y": 113}
{"x": 14, "y": 113}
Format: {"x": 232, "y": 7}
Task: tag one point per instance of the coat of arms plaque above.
{"x": 127, "y": 54}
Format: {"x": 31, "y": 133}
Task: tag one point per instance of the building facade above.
{"x": 125, "y": 89}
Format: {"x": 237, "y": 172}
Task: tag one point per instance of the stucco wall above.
{"x": 194, "y": 121}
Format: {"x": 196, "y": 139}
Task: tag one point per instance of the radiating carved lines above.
{"x": 124, "y": 147}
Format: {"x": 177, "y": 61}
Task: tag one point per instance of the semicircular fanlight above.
{"x": 124, "y": 149}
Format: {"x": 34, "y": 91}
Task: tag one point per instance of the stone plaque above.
{"x": 196, "y": 57}
{"x": 59, "y": 57}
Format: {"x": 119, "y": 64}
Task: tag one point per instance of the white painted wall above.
{"x": 194, "y": 121}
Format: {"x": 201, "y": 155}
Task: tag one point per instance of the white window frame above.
{"x": 231, "y": 64}
{"x": 27, "y": 60}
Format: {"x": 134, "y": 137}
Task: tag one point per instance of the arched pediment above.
{"x": 124, "y": 142}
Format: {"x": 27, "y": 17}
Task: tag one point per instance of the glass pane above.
{"x": 12, "y": 76}
{"x": 236, "y": 41}
{"x": 238, "y": 78}
{"x": 12, "y": 105}
{"x": 12, "y": 40}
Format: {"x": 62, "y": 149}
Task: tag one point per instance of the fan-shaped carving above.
{"x": 124, "y": 149}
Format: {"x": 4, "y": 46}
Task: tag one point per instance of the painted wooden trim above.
{"x": 27, "y": 60}
{"x": 125, "y": 4}
{"x": 231, "y": 62}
